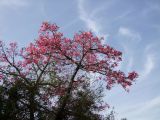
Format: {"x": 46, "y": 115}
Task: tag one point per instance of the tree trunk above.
{"x": 31, "y": 100}
{"x": 60, "y": 114}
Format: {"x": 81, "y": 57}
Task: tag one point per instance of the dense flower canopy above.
{"x": 85, "y": 52}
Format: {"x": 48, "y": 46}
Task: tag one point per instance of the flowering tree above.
{"x": 54, "y": 66}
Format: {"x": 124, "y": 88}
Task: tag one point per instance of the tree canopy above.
{"x": 50, "y": 78}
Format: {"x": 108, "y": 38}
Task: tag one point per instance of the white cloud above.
{"x": 90, "y": 23}
{"x": 124, "y": 31}
{"x": 130, "y": 64}
{"x": 149, "y": 63}
{"x": 144, "y": 111}
{"x": 148, "y": 66}
{"x": 150, "y": 56}
{"x": 131, "y": 35}
{"x": 151, "y": 7}
{"x": 123, "y": 15}
{"x": 13, "y": 3}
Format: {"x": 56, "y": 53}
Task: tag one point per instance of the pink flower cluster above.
{"x": 85, "y": 51}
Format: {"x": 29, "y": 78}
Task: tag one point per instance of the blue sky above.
{"x": 130, "y": 26}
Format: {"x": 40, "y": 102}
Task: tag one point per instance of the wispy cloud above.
{"x": 148, "y": 66}
{"x": 143, "y": 111}
{"x": 152, "y": 7}
{"x": 130, "y": 34}
{"x": 13, "y": 3}
{"x": 123, "y": 15}
{"x": 90, "y": 22}
{"x": 130, "y": 64}
{"x": 149, "y": 63}
{"x": 128, "y": 57}
{"x": 149, "y": 58}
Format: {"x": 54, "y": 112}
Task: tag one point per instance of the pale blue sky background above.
{"x": 132, "y": 26}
